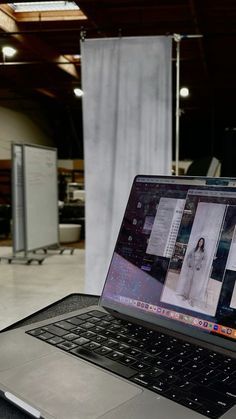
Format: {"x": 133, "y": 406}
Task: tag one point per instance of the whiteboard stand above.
{"x": 58, "y": 248}
{"x": 34, "y": 202}
{"x": 23, "y": 258}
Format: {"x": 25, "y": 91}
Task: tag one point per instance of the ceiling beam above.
{"x": 34, "y": 44}
{"x": 72, "y": 15}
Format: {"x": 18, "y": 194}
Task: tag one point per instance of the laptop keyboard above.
{"x": 190, "y": 375}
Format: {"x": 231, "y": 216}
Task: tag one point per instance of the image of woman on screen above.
{"x": 193, "y": 286}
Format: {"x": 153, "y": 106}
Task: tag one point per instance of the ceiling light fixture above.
{"x": 184, "y": 92}
{"x": 8, "y": 51}
{"x": 78, "y": 92}
{"x": 43, "y": 6}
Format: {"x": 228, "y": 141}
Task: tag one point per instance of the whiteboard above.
{"x": 18, "y": 210}
{"x": 40, "y": 197}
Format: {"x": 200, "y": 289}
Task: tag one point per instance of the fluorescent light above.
{"x": 40, "y": 6}
{"x": 8, "y": 51}
{"x": 78, "y": 92}
{"x": 184, "y": 92}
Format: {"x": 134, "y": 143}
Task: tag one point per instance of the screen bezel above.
{"x": 154, "y": 319}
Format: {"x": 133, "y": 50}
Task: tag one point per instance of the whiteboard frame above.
{"x": 17, "y": 194}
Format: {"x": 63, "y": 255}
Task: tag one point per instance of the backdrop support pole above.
{"x": 177, "y": 39}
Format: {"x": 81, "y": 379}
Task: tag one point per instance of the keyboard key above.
{"x": 194, "y": 366}
{"x": 111, "y": 343}
{"x": 36, "y": 332}
{"x": 87, "y": 325}
{"x": 99, "y": 338}
{"x": 64, "y": 325}
{"x": 107, "y": 363}
{"x": 127, "y": 361}
{"x": 115, "y": 355}
{"x": 226, "y": 379}
{"x": 132, "y": 352}
{"x": 45, "y": 336}
{"x": 84, "y": 316}
{"x": 123, "y": 347}
{"x": 159, "y": 387}
{"x": 109, "y": 333}
{"x": 201, "y": 379}
{"x": 155, "y": 372}
{"x": 81, "y": 341}
{"x": 66, "y": 345}
{"x": 188, "y": 374}
{"x": 103, "y": 350}
{"x": 154, "y": 351}
{"x": 104, "y": 323}
{"x": 208, "y": 372}
{"x": 173, "y": 368}
{"x": 115, "y": 327}
{"x": 142, "y": 379}
{"x": 141, "y": 366}
{"x": 78, "y": 330}
{"x": 229, "y": 369}
{"x": 131, "y": 342}
{"x": 55, "y": 330}
{"x": 89, "y": 335}
{"x": 97, "y": 313}
{"x": 75, "y": 321}
{"x": 112, "y": 319}
{"x": 198, "y": 357}
{"x": 98, "y": 329}
{"x": 94, "y": 320}
{"x": 185, "y": 385}
{"x": 55, "y": 340}
{"x": 190, "y": 403}
{"x": 146, "y": 359}
{"x": 71, "y": 336}
{"x": 92, "y": 345}
{"x": 160, "y": 363}
{"x": 175, "y": 394}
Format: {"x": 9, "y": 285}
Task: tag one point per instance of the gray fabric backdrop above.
{"x": 127, "y": 131}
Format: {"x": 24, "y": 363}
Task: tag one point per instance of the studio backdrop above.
{"x": 127, "y": 131}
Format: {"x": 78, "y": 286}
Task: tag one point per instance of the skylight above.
{"x": 43, "y": 6}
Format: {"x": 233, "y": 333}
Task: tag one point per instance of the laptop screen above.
{"x": 175, "y": 257}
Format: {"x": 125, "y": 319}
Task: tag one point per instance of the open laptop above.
{"x": 162, "y": 342}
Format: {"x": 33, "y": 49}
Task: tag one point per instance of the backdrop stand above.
{"x": 178, "y": 38}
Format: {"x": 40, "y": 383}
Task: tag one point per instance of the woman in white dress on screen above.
{"x": 192, "y": 286}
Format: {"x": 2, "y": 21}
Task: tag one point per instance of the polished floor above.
{"x": 24, "y": 289}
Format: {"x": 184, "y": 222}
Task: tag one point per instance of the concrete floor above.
{"x": 25, "y": 289}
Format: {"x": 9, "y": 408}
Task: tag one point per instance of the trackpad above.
{"x": 67, "y": 387}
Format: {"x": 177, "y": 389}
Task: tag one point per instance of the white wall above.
{"x": 66, "y": 164}
{"x": 19, "y": 128}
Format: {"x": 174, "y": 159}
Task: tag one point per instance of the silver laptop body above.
{"x": 173, "y": 271}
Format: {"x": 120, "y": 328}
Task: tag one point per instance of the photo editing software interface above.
{"x": 175, "y": 256}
